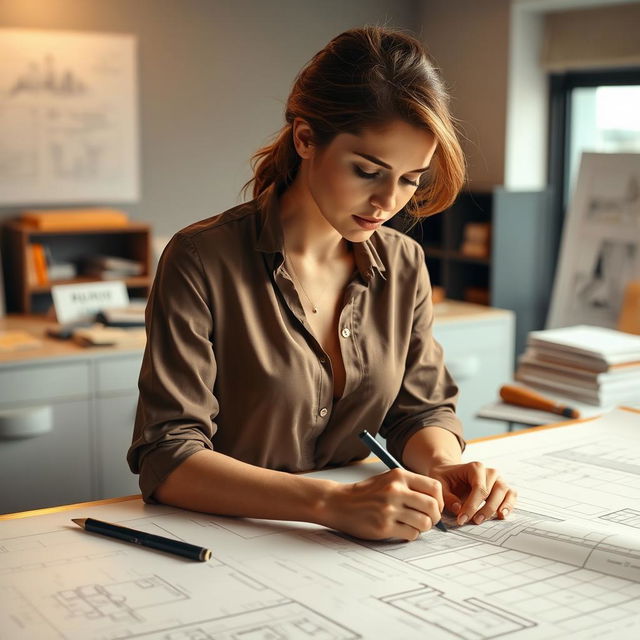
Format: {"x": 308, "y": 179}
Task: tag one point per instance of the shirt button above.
{"x": 323, "y": 412}
{"x": 346, "y": 332}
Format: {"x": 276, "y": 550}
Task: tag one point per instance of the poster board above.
{"x": 68, "y": 117}
{"x": 600, "y": 250}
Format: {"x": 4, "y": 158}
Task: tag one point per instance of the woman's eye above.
{"x": 411, "y": 182}
{"x": 363, "y": 174}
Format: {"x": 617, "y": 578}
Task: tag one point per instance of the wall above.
{"x": 213, "y": 78}
{"x": 470, "y": 41}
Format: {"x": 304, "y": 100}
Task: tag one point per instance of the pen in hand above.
{"x": 376, "y": 448}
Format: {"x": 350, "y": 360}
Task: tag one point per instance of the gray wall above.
{"x": 213, "y": 76}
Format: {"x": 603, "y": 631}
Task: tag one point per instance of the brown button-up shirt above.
{"x": 231, "y": 365}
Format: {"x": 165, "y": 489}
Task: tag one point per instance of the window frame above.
{"x": 561, "y": 84}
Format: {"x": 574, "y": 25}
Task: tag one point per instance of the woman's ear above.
{"x": 303, "y": 138}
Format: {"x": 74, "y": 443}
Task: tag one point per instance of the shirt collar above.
{"x": 270, "y": 239}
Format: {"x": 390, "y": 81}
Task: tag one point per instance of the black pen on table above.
{"x": 144, "y": 539}
{"x": 376, "y": 448}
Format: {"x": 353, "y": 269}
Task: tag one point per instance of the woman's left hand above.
{"x": 473, "y": 492}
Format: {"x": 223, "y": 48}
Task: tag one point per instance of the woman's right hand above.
{"x": 395, "y": 504}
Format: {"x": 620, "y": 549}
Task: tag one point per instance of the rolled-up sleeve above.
{"x": 176, "y": 407}
{"x": 428, "y": 394}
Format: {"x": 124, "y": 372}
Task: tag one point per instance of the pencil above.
{"x": 376, "y": 448}
{"x": 177, "y": 547}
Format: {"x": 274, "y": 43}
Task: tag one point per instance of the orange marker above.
{"x": 512, "y": 394}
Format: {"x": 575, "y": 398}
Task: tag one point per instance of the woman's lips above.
{"x": 370, "y": 224}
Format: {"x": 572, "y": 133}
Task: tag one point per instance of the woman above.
{"x": 281, "y": 328}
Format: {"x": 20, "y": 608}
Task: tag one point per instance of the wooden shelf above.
{"x": 461, "y": 257}
{"x": 135, "y": 282}
{"x": 442, "y": 236}
{"x": 16, "y": 225}
{"x": 70, "y": 245}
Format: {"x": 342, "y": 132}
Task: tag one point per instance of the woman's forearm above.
{"x": 430, "y": 447}
{"x": 212, "y": 482}
{"x": 394, "y": 504}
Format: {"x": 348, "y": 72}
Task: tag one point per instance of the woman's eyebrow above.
{"x": 377, "y": 161}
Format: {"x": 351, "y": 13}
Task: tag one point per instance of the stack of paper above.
{"x": 594, "y": 365}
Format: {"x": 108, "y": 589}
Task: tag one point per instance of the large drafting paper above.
{"x": 567, "y": 564}
{"x": 68, "y": 117}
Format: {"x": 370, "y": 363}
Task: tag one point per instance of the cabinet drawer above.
{"x": 26, "y": 384}
{"x": 50, "y": 469}
{"x": 118, "y": 374}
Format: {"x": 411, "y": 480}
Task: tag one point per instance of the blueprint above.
{"x": 565, "y": 564}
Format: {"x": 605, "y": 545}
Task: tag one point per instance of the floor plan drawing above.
{"x": 118, "y": 602}
{"x": 627, "y": 517}
{"x": 470, "y": 619}
{"x": 565, "y": 564}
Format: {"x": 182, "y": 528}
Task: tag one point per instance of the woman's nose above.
{"x": 385, "y": 197}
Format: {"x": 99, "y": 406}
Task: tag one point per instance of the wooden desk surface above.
{"x": 51, "y": 348}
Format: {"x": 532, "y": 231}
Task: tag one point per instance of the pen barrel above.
{"x": 150, "y": 540}
{"x": 377, "y": 449}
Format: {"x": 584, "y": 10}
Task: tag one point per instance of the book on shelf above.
{"x": 74, "y": 219}
{"x": 36, "y": 265}
{"x": 476, "y": 241}
{"x": 111, "y": 267}
{"x": 477, "y": 295}
{"x": 62, "y": 271}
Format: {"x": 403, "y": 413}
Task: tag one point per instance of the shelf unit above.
{"x": 442, "y": 235}
{"x": 132, "y": 241}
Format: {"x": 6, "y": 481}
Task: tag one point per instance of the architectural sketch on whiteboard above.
{"x": 68, "y": 117}
{"x": 600, "y": 250}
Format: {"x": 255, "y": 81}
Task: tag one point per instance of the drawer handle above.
{"x": 461, "y": 368}
{"x": 19, "y": 424}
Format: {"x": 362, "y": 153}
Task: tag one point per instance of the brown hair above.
{"x": 365, "y": 78}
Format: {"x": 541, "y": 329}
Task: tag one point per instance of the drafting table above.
{"x": 565, "y": 564}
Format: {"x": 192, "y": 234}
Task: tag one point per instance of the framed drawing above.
{"x": 68, "y": 117}
{"x": 600, "y": 251}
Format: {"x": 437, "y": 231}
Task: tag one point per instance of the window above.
{"x": 589, "y": 111}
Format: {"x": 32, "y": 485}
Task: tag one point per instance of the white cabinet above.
{"x": 115, "y": 408}
{"x": 45, "y": 439}
{"x": 65, "y": 427}
{"x": 478, "y": 345}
